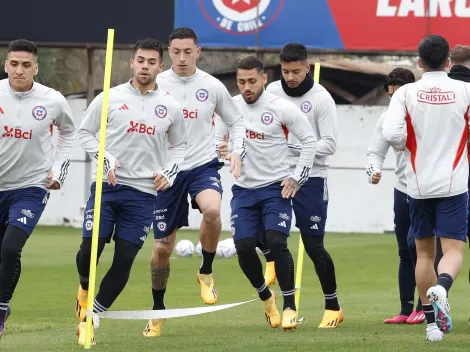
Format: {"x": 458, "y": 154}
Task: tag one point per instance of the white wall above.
{"x": 355, "y": 205}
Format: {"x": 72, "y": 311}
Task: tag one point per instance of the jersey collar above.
{"x": 137, "y": 91}
{"x": 184, "y": 79}
{"x": 22, "y": 95}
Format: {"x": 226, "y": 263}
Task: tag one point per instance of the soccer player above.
{"x": 201, "y": 96}
{"x": 262, "y": 195}
{"x": 222, "y": 146}
{"x": 30, "y": 166}
{"x": 378, "y": 149}
{"x": 140, "y": 117}
{"x": 311, "y": 202}
{"x": 430, "y": 119}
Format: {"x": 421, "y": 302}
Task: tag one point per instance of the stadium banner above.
{"x": 365, "y": 25}
{"x": 86, "y": 21}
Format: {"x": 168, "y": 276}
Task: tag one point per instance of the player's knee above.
{"x": 125, "y": 252}
{"x": 277, "y": 242}
{"x": 10, "y": 251}
{"x": 211, "y": 214}
{"x": 85, "y": 247}
{"x": 161, "y": 251}
{"x": 246, "y": 247}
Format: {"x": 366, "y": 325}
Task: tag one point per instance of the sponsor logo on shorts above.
{"x": 314, "y": 227}
{"x": 282, "y": 224}
{"x": 160, "y": 217}
{"x": 315, "y": 218}
{"x": 161, "y": 226}
{"x": 22, "y": 220}
{"x": 158, "y": 211}
{"x": 28, "y": 213}
{"x": 89, "y": 225}
{"x": 284, "y": 216}
{"x": 233, "y": 231}
{"x": 146, "y": 229}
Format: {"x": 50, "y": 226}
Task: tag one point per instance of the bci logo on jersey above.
{"x": 189, "y": 114}
{"x": 161, "y": 111}
{"x": 306, "y": 106}
{"x": 240, "y": 16}
{"x": 39, "y": 113}
{"x": 254, "y": 135}
{"x": 17, "y": 133}
{"x": 141, "y": 128}
{"x": 436, "y": 97}
{"x": 202, "y": 95}
{"x": 267, "y": 118}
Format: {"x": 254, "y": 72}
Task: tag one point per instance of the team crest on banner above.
{"x": 39, "y": 113}
{"x": 202, "y": 95}
{"x": 241, "y": 16}
{"x": 306, "y": 106}
{"x": 267, "y": 118}
{"x": 161, "y": 111}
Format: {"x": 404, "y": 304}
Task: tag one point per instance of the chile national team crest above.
{"x": 202, "y": 95}
{"x": 39, "y": 113}
{"x": 240, "y": 16}
{"x": 267, "y": 118}
{"x": 306, "y": 106}
{"x": 161, "y": 111}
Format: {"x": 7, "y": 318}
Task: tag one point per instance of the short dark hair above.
{"x": 434, "y": 51}
{"x": 399, "y": 77}
{"x": 184, "y": 33}
{"x": 149, "y": 44}
{"x": 460, "y": 54}
{"x": 250, "y": 63}
{"x": 23, "y": 45}
{"x": 293, "y": 52}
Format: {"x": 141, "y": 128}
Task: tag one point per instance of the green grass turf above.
{"x": 43, "y": 316}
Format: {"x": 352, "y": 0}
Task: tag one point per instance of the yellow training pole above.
{"x": 99, "y": 186}
{"x": 300, "y": 256}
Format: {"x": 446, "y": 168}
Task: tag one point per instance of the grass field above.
{"x": 43, "y": 316}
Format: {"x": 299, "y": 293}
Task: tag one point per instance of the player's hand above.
{"x": 289, "y": 187}
{"x": 223, "y": 147}
{"x": 53, "y": 184}
{"x": 235, "y": 164}
{"x": 161, "y": 183}
{"x": 374, "y": 174}
{"x": 112, "y": 174}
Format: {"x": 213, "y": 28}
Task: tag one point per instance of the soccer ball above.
{"x": 199, "y": 249}
{"x": 226, "y": 248}
{"x": 184, "y": 248}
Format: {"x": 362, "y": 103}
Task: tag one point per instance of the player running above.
{"x": 30, "y": 166}
{"x": 430, "y": 119}
{"x": 311, "y": 202}
{"x": 262, "y": 195}
{"x": 378, "y": 149}
{"x": 222, "y": 145}
{"x": 201, "y": 96}
{"x": 140, "y": 118}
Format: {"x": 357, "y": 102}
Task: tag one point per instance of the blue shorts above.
{"x": 22, "y": 208}
{"x": 444, "y": 217}
{"x": 125, "y": 212}
{"x": 255, "y": 210}
{"x": 311, "y": 206}
{"x": 172, "y": 207}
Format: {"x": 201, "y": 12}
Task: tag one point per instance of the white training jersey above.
{"x": 267, "y": 122}
{"x": 201, "y": 96}
{"x": 320, "y": 109}
{"x": 145, "y": 133}
{"x": 26, "y": 151}
{"x": 430, "y": 118}
{"x": 378, "y": 149}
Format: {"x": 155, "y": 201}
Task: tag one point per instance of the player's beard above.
{"x": 145, "y": 82}
{"x": 254, "y": 98}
